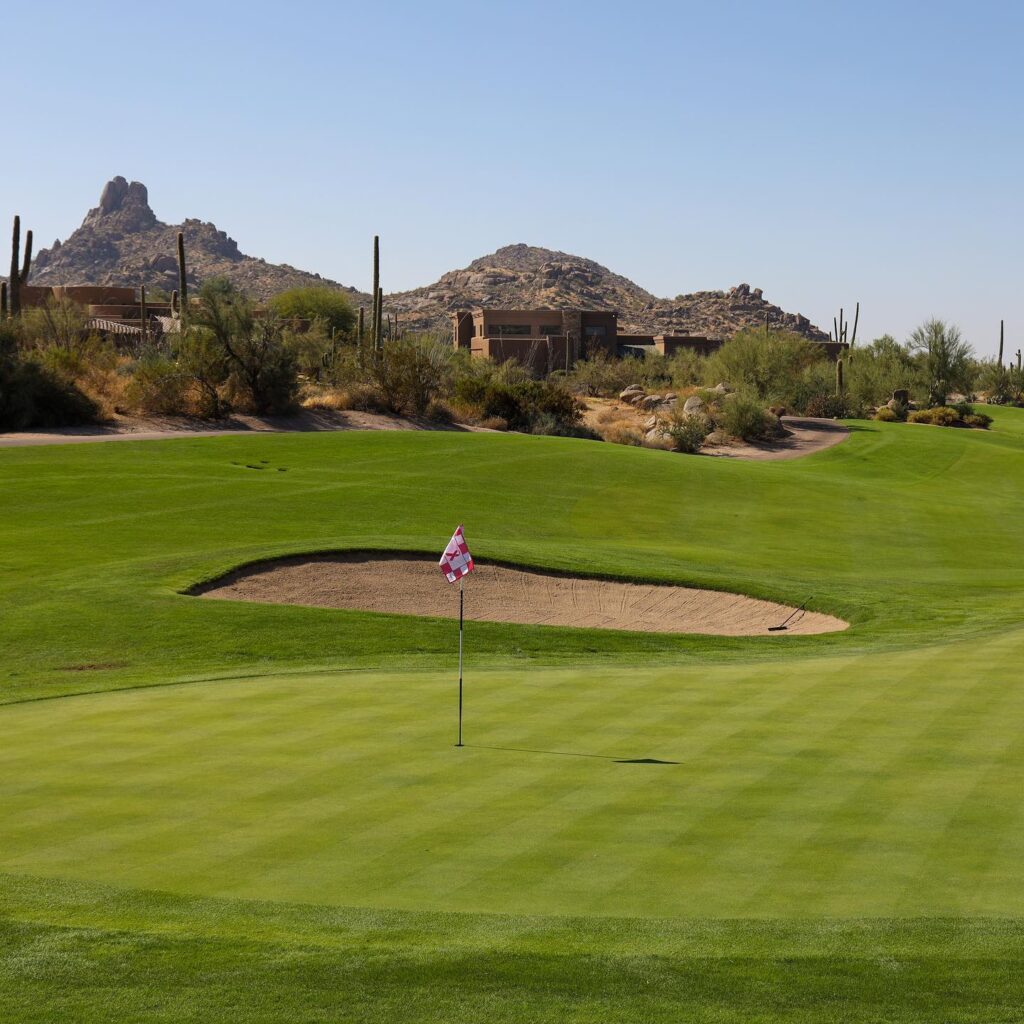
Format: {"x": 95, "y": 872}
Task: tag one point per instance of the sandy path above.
{"x": 807, "y": 434}
{"x": 306, "y": 421}
{"x": 410, "y": 585}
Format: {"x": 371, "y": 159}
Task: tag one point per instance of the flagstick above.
{"x": 459, "y": 744}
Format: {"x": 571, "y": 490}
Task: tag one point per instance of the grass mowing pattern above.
{"x": 875, "y": 773}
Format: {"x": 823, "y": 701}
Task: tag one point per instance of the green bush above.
{"x": 945, "y": 359}
{"x": 767, "y": 366}
{"x": 158, "y": 387}
{"x": 978, "y": 419}
{"x": 940, "y": 416}
{"x": 262, "y": 370}
{"x": 410, "y": 374}
{"x": 522, "y": 404}
{"x": 886, "y": 415}
{"x": 744, "y": 417}
{"x": 687, "y": 433}
{"x": 329, "y": 306}
{"x": 827, "y": 406}
{"x": 32, "y": 396}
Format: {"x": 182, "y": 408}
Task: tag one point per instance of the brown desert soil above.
{"x": 126, "y": 428}
{"x": 414, "y": 585}
{"x": 805, "y": 435}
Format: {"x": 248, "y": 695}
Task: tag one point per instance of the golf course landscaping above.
{"x": 227, "y": 810}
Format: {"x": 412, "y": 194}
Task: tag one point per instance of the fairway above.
{"x": 752, "y": 824}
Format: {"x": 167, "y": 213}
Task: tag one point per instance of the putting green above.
{"x": 838, "y": 789}
{"x": 864, "y": 785}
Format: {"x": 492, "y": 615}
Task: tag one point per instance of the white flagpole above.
{"x": 459, "y": 744}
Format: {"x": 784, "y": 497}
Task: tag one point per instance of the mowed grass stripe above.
{"x": 733, "y": 828}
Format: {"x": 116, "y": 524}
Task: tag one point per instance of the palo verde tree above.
{"x": 328, "y": 305}
{"x": 945, "y": 357}
{"x": 261, "y": 368}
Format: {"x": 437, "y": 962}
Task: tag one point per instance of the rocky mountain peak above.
{"x": 124, "y": 205}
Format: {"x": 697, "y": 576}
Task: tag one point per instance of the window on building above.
{"x": 550, "y": 329}
{"x": 508, "y": 330}
{"x": 595, "y": 331}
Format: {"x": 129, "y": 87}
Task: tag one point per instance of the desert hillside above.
{"x": 121, "y": 242}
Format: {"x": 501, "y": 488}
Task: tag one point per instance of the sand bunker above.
{"x": 413, "y": 585}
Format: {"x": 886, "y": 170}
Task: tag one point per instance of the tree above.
{"x": 945, "y": 357}
{"x": 262, "y": 371}
{"x": 327, "y": 305}
{"x": 767, "y": 365}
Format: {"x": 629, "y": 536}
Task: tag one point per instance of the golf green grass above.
{"x": 226, "y": 811}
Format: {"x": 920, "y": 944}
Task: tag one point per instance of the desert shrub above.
{"x": 94, "y": 366}
{"x": 978, "y": 419}
{"x": 767, "y": 365}
{"x": 33, "y": 396}
{"x": 686, "y": 368}
{"x": 158, "y": 386}
{"x": 622, "y": 432}
{"x": 873, "y": 372}
{"x": 439, "y": 411}
{"x": 601, "y": 376}
{"x": 999, "y": 383}
{"x": 330, "y": 307}
{"x": 886, "y": 415}
{"x": 744, "y": 417}
{"x": 556, "y": 426}
{"x": 686, "y": 433}
{"x": 939, "y": 416}
{"x": 520, "y": 403}
{"x": 203, "y": 362}
{"x": 262, "y": 371}
{"x": 58, "y": 323}
{"x": 313, "y": 347}
{"x": 410, "y": 373}
{"x": 828, "y": 406}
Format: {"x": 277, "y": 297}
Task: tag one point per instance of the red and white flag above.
{"x": 456, "y": 561}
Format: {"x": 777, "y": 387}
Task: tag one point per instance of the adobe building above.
{"x": 109, "y": 309}
{"x": 555, "y": 339}
{"x": 543, "y": 339}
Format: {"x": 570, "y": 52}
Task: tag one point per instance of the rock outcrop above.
{"x": 526, "y": 276}
{"x": 121, "y": 242}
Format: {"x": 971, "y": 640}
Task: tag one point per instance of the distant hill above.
{"x": 526, "y": 276}
{"x": 121, "y": 242}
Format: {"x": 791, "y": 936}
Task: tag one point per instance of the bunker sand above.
{"x": 411, "y": 585}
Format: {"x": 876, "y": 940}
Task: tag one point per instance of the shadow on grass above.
{"x": 573, "y": 753}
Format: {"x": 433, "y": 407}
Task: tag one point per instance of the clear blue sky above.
{"x": 823, "y": 152}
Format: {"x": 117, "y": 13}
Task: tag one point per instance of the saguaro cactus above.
{"x": 19, "y": 274}
{"x": 143, "y": 313}
{"x": 182, "y": 282}
{"x": 1000, "y": 343}
{"x": 3, "y": 300}
{"x": 839, "y": 377}
{"x": 378, "y": 341}
{"x": 361, "y": 328}
{"x": 175, "y": 310}
{"x": 840, "y": 328}
{"x": 375, "y": 323}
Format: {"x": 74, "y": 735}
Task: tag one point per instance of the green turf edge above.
{"x": 88, "y": 953}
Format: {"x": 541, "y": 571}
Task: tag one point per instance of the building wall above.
{"x": 84, "y": 295}
{"x": 541, "y": 354}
